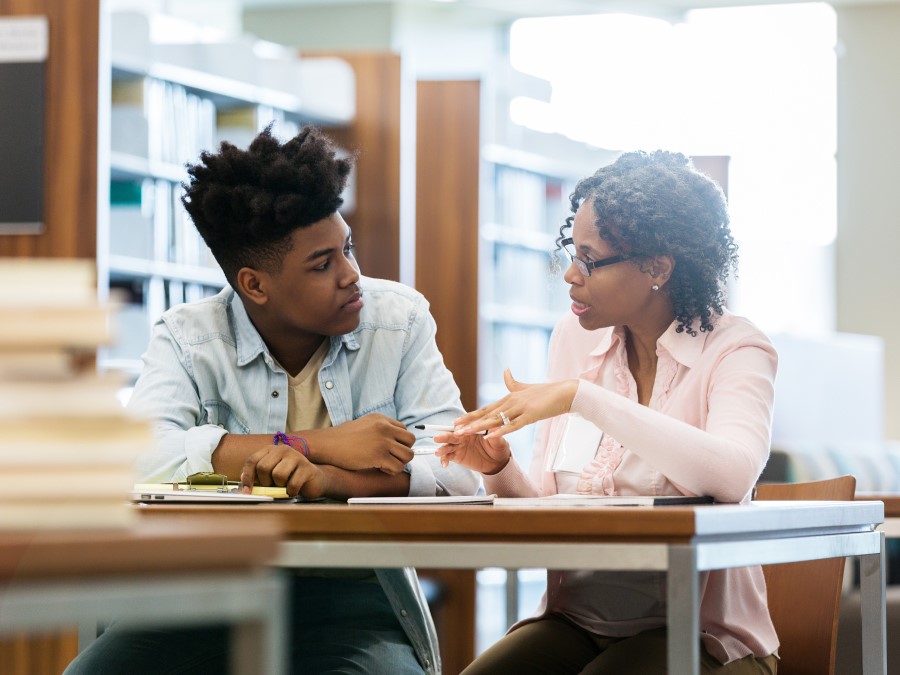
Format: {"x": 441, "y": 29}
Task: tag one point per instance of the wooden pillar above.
{"x": 70, "y": 173}
{"x": 447, "y": 161}
{"x": 375, "y": 134}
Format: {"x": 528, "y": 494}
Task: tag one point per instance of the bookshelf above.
{"x": 79, "y": 166}
{"x": 525, "y": 200}
{"x": 167, "y": 104}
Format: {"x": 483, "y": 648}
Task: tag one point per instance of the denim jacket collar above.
{"x": 249, "y": 344}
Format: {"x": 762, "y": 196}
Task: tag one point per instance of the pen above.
{"x": 439, "y": 427}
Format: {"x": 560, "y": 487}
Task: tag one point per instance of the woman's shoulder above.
{"x": 733, "y": 333}
{"x": 731, "y": 327}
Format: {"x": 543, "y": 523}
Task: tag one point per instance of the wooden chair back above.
{"x": 805, "y": 597}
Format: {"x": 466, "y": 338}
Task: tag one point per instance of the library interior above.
{"x": 468, "y": 125}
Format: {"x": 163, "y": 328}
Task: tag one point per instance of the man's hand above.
{"x": 283, "y": 466}
{"x": 370, "y": 442}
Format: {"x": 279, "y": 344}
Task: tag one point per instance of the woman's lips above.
{"x": 579, "y": 308}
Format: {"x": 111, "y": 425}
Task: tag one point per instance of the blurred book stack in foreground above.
{"x": 67, "y": 446}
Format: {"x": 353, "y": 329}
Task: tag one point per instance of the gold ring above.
{"x": 503, "y": 417}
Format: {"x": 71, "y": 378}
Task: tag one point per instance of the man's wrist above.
{"x": 316, "y": 442}
{"x": 298, "y": 443}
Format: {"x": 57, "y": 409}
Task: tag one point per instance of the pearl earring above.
{"x": 654, "y": 287}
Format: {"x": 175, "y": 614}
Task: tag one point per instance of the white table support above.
{"x": 874, "y": 628}
{"x": 253, "y": 603}
{"x": 723, "y": 536}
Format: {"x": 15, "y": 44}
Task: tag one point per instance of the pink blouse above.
{"x": 706, "y": 431}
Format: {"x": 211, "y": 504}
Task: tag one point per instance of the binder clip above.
{"x": 207, "y": 480}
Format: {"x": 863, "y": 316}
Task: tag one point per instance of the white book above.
{"x": 58, "y": 513}
{"x": 28, "y": 484}
{"x": 77, "y": 324}
{"x": 90, "y": 395}
{"x": 575, "y": 500}
{"x": 99, "y": 453}
{"x": 442, "y": 501}
{"x": 32, "y": 442}
{"x": 29, "y": 282}
{"x": 51, "y": 363}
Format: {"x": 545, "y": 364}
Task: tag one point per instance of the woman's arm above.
{"x": 725, "y": 458}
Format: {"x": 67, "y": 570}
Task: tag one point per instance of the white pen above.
{"x": 439, "y": 427}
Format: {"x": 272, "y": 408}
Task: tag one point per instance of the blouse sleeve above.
{"x": 725, "y": 457}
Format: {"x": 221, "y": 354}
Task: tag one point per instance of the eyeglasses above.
{"x": 584, "y": 266}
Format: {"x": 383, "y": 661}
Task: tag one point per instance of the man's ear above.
{"x": 251, "y": 284}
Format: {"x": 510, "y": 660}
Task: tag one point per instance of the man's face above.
{"x": 317, "y": 289}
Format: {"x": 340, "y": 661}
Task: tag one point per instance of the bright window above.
{"x": 757, "y": 84}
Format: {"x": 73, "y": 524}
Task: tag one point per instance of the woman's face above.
{"x": 614, "y": 295}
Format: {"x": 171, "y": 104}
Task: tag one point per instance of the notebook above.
{"x": 455, "y": 499}
{"x": 570, "y": 500}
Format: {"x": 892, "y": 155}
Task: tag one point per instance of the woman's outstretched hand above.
{"x": 525, "y": 404}
{"x": 477, "y": 451}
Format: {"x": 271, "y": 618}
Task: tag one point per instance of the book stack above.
{"x": 67, "y": 445}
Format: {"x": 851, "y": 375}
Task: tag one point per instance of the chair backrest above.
{"x": 805, "y": 597}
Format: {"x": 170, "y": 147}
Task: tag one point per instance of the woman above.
{"x": 653, "y": 388}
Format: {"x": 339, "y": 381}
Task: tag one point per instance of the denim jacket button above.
{"x": 329, "y": 385}
{"x": 403, "y": 612}
{"x": 275, "y": 394}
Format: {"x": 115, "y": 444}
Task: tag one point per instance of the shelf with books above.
{"x": 225, "y": 92}
{"x": 521, "y": 291}
{"x": 121, "y": 266}
{"x": 124, "y": 166}
{"x": 168, "y": 103}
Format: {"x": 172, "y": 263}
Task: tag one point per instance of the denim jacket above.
{"x": 207, "y": 372}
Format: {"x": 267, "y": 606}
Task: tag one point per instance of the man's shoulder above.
{"x": 389, "y": 301}
{"x": 200, "y": 317}
{"x": 389, "y": 289}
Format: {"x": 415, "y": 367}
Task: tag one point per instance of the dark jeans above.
{"x": 554, "y": 646}
{"x": 336, "y": 626}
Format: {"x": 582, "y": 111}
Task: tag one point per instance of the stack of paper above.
{"x": 66, "y": 444}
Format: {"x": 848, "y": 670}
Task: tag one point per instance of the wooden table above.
{"x": 683, "y": 541}
{"x": 160, "y": 572}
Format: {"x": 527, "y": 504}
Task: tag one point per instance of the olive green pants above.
{"x": 555, "y": 646}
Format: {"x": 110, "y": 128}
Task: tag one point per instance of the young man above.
{"x": 303, "y": 374}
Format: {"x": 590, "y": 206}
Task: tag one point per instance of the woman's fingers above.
{"x": 512, "y": 384}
